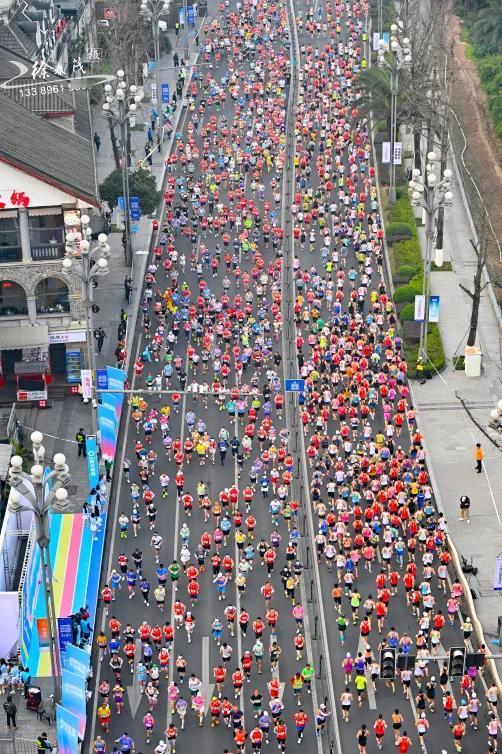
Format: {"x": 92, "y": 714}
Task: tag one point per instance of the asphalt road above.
{"x": 201, "y": 653}
{"x": 439, "y": 737}
{"x": 169, "y": 521}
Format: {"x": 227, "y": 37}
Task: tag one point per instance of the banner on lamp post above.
{"x": 86, "y": 380}
{"x": 398, "y": 153}
{"x": 73, "y": 697}
{"x": 419, "y": 315}
{"x": 76, "y": 660}
{"x": 385, "y": 152}
{"x": 91, "y": 448}
{"x": 434, "y": 308}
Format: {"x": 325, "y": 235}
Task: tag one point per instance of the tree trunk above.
{"x": 115, "y": 146}
{"x": 473, "y": 326}
{"x": 417, "y": 147}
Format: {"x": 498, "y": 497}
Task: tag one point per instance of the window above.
{"x": 10, "y": 238}
{"x": 12, "y": 299}
{"x": 52, "y": 296}
{"x": 47, "y": 236}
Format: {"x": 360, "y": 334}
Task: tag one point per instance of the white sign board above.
{"x": 398, "y": 153}
{"x": 386, "y": 152}
{"x": 86, "y": 380}
{"x": 154, "y": 94}
{"x": 70, "y": 336}
{"x": 419, "y": 315}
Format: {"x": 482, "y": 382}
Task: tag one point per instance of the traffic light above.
{"x": 475, "y": 660}
{"x": 456, "y": 662}
{"x": 387, "y": 664}
{"x": 406, "y": 662}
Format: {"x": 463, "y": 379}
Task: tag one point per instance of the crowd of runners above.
{"x": 212, "y": 321}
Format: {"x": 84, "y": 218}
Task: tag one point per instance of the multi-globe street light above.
{"x": 42, "y": 494}
{"x": 121, "y": 105}
{"x": 88, "y": 264}
{"x": 429, "y": 194}
{"x": 400, "y": 57}
{"x": 153, "y": 10}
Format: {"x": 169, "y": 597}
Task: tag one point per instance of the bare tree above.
{"x": 480, "y": 249}
{"x": 125, "y": 46}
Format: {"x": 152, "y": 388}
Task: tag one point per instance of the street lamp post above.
{"x": 88, "y": 264}
{"x": 41, "y": 494}
{"x": 400, "y": 57}
{"x": 429, "y": 194}
{"x": 121, "y": 104}
{"x": 153, "y": 10}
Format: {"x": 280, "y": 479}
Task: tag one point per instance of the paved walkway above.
{"x": 450, "y": 435}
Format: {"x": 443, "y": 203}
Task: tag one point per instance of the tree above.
{"x": 141, "y": 184}
{"x": 125, "y": 47}
{"x": 487, "y": 28}
{"x": 480, "y": 249}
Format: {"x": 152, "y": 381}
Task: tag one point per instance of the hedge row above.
{"x": 407, "y": 274}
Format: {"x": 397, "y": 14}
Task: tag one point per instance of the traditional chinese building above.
{"x": 47, "y": 181}
{"x": 56, "y": 33}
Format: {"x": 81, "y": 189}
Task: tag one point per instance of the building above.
{"x": 47, "y": 181}
{"x": 43, "y": 30}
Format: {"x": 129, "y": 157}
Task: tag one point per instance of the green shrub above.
{"x": 407, "y": 253}
{"x": 406, "y": 272}
{"x": 405, "y": 294}
{"x": 434, "y": 350}
{"x": 398, "y": 231}
{"x": 407, "y": 313}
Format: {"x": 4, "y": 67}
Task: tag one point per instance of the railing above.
{"x": 47, "y": 252}
{"x": 9, "y": 254}
{"x": 17, "y": 746}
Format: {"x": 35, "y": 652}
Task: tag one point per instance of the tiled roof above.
{"x": 15, "y": 39}
{"x": 47, "y": 150}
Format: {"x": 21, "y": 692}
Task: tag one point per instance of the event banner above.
{"x": 67, "y": 731}
{"x": 109, "y": 410}
{"x": 73, "y": 697}
{"x": 76, "y": 660}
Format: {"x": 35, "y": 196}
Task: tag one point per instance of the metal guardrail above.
{"x": 19, "y": 746}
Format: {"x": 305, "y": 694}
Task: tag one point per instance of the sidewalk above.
{"x": 450, "y": 435}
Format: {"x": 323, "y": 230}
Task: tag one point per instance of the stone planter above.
{"x": 472, "y": 355}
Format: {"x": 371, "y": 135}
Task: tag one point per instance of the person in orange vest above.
{"x": 301, "y": 719}
{"x": 479, "y": 455}
{"x": 256, "y": 737}
{"x": 215, "y": 709}
{"x": 240, "y": 736}
{"x": 281, "y": 732}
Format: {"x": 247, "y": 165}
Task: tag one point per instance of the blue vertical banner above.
{"x": 101, "y": 379}
{"x": 76, "y": 660}
{"x": 65, "y": 632}
{"x": 73, "y": 697}
{"x": 134, "y": 208}
{"x": 434, "y": 308}
{"x": 165, "y": 94}
{"x": 91, "y": 447}
{"x": 109, "y": 412}
{"x": 67, "y": 731}
{"x": 191, "y": 15}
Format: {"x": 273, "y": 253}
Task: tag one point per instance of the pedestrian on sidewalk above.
{"x": 97, "y": 141}
{"x": 176, "y": 60}
{"x": 465, "y": 504}
{"x": 10, "y": 708}
{"x": 149, "y": 135}
{"x": 479, "y": 455}
{"x": 128, "y": 288}
{"x": 80, "y": 438}
{"x": 100, "y": 336}
{"x": 148, "y": 154}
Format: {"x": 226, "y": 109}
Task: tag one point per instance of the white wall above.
{"x": 41, "y": 194}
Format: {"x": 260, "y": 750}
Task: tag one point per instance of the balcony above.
{"x": 47, "y": 252}
{"x": 47, "y": 244}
